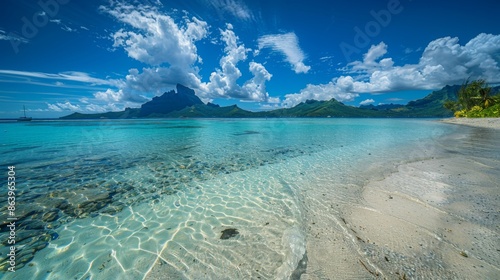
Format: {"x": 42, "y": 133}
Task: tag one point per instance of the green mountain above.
{"x": 127, "y": 114}
{"x": 314, "y": 108}
{"x": 185, "y": 104}
{"x": 431, "y": 105}
{"x": 212, "y": 111}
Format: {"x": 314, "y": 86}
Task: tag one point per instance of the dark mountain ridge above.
{"x": 170, "y": 101}
{"x": 184, "y": 103}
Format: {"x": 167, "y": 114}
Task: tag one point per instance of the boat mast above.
{"x": 24, "y": 107}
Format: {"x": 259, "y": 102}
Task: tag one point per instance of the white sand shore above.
{"x": 436, "y": 218}
{"x": 433, "y": 218}
{"x": 476, "y": 122}
{"x": 425, "y": 221}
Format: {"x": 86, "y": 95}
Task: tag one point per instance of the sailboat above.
{"x": 24, "y": 119}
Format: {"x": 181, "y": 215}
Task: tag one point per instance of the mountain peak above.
{"x": 184, "y": 90}
{"x": 170, "y": 101}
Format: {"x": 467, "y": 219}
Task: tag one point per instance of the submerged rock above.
{"x": 228, "y": 233}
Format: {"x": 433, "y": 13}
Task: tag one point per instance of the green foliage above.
{"x": 451, "y": 105}
{"x": 476, "y": 93}
{"x": 474, "y": 101}
{"x": 490, "y": 112}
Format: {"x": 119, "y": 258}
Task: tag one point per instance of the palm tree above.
{"x": 485, "y": 96}
{"x": 476, "y": 93}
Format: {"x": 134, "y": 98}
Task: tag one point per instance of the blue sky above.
{"x": 61, "y": 56}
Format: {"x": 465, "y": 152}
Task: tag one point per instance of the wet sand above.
{"x": 475, "y": 122}
{"x": 432, "y": 219}
{"x": 436, "y": 217}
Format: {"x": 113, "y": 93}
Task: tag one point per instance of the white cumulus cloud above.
{"x": 288, "y": 45}
{"x": 95, "y": 108}
{"x": 109, "y": 95}
{"x": 113, "y": 96}
{"x": 66, "y": 106}
{"x": 255, "y": 88}
{"x": 367, "y": 101}
{"x": 168, "y": 46}
{"x": 339, "y": 88}
{"x": 223, "y": 81}
{"x": 159, "y": 79}
{"x": 155, "y": 38}
{"x": 107, "y": 104}
{"x": 443, "y": 62}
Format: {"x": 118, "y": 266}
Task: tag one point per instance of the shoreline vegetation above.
{"x": 475, "y": 100}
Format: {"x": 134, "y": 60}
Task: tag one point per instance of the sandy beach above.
{"x": 432, "y": 218}
{"x": 425, "y": 221}
{"x": 436, "y": 218}
{"x": 475, "y": 122}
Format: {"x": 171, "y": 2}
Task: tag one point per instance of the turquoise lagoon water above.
{"x": 123, "y": 199}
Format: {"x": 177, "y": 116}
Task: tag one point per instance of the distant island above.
{"x": 185, "y": 104}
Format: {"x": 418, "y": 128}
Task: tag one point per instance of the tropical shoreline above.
{"x": 417, "y": 203}
{"x": 434, "y": 217}
{"x": 475, "y": 122}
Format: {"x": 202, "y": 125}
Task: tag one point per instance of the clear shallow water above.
{"x": 130, "y": 198}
